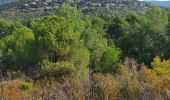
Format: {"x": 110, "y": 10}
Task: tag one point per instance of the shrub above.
{"x": 11, "y": 90}
{"x": 57, "y": 67}
{"x": 110, "y": 59}
{"x": 103, "y": 87}
{"x": 26, "y": 85}
{"x": 128, "y": 83}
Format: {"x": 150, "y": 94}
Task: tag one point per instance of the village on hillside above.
{"x": 85, "y": 4}
{"x": 42, "y": 7}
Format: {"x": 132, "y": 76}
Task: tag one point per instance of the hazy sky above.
{"x": 154, "y": 0}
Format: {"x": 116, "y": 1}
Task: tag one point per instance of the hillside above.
{"x": 100, "y": 8}
{"x": 69, "y": 55}
{"x": 84, "y": 50}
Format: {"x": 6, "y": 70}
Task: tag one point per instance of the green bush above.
{"x": 26, "y": 85}
{"x": 110, "y": 59}
{"x": 57, "y": 67}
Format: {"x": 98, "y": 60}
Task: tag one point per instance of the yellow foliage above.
{"x": 159, "y": 76}
{"x": 161, "y": 67}
{"x": 156, "y": 61}
{"x": 147, "y": 75}
{"x": 123, "y": 70}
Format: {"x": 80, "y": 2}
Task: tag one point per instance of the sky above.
{"x": 154, "y": 0}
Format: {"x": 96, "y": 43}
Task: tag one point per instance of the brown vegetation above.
{"x": 130, "y": 83}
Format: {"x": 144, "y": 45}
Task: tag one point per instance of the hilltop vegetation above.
{"x": 71, "y": 55}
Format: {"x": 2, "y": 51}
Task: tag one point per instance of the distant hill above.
{"x": 3, "y": 2}
{"x": 28, "y": 8}
{"x": 161, "y": 3}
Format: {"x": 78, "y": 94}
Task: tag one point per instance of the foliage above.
{"x": 58, "y": 67}
{"x": 53, "y": 39}
{"x": 70, "y": 55}
{"x": 117, "y": 28}
{"x": 161, "y": 67}
{"x": 110, "y": 59}
{"x": 144, "y": 39}
{"x": 129, "y": 83}
{"x": 19, "y": 48}
{"x": 26, "y": 85}
{"x": 158, "y": 18}
{"x": 11, "y": 90}
{"x": 60, "y": 42}
{"x": 103, "y": 87}
{"x": 94, "y": 39}
{"x": 5, "y": 27}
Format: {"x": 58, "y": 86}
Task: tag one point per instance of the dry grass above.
{"x": 10, "y": 90}
{"x": 131, "y": 83}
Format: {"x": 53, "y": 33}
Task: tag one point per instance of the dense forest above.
{"x": 70, "y": 55}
